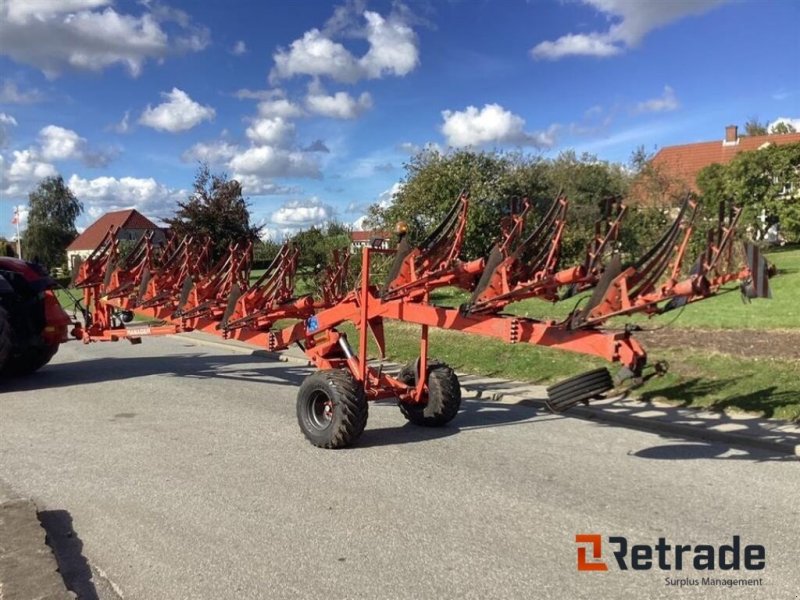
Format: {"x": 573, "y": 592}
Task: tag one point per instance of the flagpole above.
{"x": 19, "y": 241}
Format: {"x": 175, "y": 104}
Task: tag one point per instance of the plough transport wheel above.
{"x": 581, "y": 388}
{"x": 331, "y": 408}
{"x": 444, "y": 395}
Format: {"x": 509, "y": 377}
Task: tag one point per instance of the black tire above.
{"x": 580, "y": 388}
{"x": 444, "y": 395}
{"x": 5, "y": 337}
{"x": 30, "y": 360}
{"x": 331, "y": 408}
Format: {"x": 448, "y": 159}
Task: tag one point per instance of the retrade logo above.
{"x": 668, "y": 557}
{"x": 596, "y": 544}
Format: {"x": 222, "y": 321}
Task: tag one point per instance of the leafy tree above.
{"x": 755, "y": 127}
{"x": 782, "y": 127}
{"x": 317, "y": 243}
{"x": 264, "y": 252}
{"x": 51, "y": 222}
{"x": 763, "y": 180}
{"x": 495, "y": 181}
{"x": 215, "y": 210}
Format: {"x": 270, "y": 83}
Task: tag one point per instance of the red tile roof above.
{"x": 686, "y": 161}
{"x": 366, "y": 236}
{"x": 122, "y": 219}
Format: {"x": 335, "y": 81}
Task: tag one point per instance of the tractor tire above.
{"x": 331, "y": 408}
{"x": 5, "y": 337}
{"x": 577, "y": 389}
{"x": 444, "y": 395}
{"x": 31, "y": 359}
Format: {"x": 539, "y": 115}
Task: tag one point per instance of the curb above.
{"x": 28, "y": 567}
{"x": 663, "y": 427}
{"x": 589, "y": 413}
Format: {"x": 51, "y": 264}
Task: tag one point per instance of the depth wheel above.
{"x": 444, "y": 395}
{"x": 331, "y": 408}
{"x": 580, "y": 388}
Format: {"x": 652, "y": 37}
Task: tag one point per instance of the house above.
{"x": 680, "y": 165}
{"x": 131, "y": 224}
{"x": 376, "y": 239}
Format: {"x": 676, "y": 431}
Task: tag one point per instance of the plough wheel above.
{"x": 580, "y": 388}
{"x": 331, "y": 408}
{"x": 444, "y": 395}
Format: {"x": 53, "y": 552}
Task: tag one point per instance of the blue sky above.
{"x": 315, "y": 106}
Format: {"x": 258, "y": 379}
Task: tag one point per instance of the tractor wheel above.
{"x": 31, "y": 359}
{"x": 5, "y": 337}
{"x": 331, "y": 408}
{"x": 444, "y": 395}
{"x": 581, "y": 388}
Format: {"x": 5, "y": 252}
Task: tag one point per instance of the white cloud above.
{"x": 6, "y": 122}
{"x": 26, "y": 170}
{"x": 104, "y": 194}
{"x": 214, "y": 153}
{"x": 248, "y": 94}
{"x": 239, "y": 48}
{"x": 392, "y": 50}
{"x": 254, "y": 185}
{"x": 178, "y": 113}
{"x": 11, "y": 94}
{"x": 340, "y": 105}
{"x": 632, "y": 21}
{"x": 124, "y": 126}
{"x": 273, "y": 131}
{"x": 491, "y": 124}
{"x": 267, "y": 161}
{"x": 279, "y": 108}
{"x": 668, "y": 101}
{"x": 576, "y": 44}
{"x": 57, "y": 143}
{"x": 794, "y": 123}
{"x": 384, "y": 200}
{"x": 302, "y": 213}
{"x": 54, "y": 35}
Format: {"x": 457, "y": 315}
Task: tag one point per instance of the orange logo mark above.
{"x": 597, "y": 549}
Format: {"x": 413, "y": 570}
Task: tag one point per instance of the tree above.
{"x": 755, "y": 127}
{"x": 765, "y": 180}
{"x": 51, "y": 222}
{"x": 782, "y": 128}
{"x": 215, "y": 210}
{"x": 495, "y": 181}
{"x": 317, "y": 243}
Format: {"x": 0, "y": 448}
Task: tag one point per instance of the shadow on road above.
{"x": 473, "y": 415}
{"x": 239, "y": 367}
{"x": 693, "y": 450}
{"x": 68, "y": 550}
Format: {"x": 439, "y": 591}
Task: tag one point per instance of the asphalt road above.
{"x": 183, "y": 474}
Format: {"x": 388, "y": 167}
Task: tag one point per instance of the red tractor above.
{"x": 32, "y": 322}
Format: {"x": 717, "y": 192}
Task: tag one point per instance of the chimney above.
{"x": 731, "y": 134}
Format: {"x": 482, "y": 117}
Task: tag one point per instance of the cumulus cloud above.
{"x": 25, "y": 170}
{"x": 274, "y": 131}
{"x": 11, "y": 94}
{"x": 215, "y": 153}
{"x": 668, "y": 101}
{"x": 793, "y": 123}
{"x": 392, "y": 49}
{"x": 491, "y": 124}
{"x": 254, "y": 185}
{"x": 280, "y": 107}
{"x": 55, "y": 35}
{"x": 104, "y": 194}
{"x": 268, "y": 161}
{"x": 178, "y": 113}
{"x": 302, "y": 213}
{"x": 340, "y": 105}
{"x": 384, "y": 200}
{"x": 239, "y": 48}
{"x": 58, "y": 143}
{"x": 6, "y": 122}
{"x": 631, "y": 20}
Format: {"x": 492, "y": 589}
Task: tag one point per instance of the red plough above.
{"x": 332, "y": 402}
